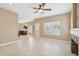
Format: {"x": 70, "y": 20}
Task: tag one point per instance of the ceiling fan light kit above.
{"x": 41, "y": 8}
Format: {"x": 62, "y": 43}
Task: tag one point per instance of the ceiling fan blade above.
{"x": 35, "y": 8}
{"x": 35, "y": 11}
{"x": 47, "y": 9}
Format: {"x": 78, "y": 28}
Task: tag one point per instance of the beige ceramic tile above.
{"x": 31, "y": 46}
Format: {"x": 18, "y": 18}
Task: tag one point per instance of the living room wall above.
{"x": 8, "y": 26}
{"x": 65, "y": 26}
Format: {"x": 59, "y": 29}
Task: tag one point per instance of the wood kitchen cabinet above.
{"x": 74, "y": 47}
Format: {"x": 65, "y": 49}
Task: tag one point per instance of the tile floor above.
{"x": 31, "y": 46}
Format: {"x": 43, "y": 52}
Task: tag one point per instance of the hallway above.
{"x": 32, "y": 46}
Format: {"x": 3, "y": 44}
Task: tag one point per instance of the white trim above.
{"x": 4, "y": 44}
{"x": 58, "y": 40}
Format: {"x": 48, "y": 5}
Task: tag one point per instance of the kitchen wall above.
{"x": 74, "y": 16}
{"x": 78, "y": 21}
{"x": 65, "y": 26}
{"x": 77, "y": 15}
{"x": 8, "y": 26}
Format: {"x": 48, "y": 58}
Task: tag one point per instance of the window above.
{"x": 52, "y": 28}
{"x": 30, "y": 29}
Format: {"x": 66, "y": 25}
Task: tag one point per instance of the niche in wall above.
{"x": 52, "y": 28}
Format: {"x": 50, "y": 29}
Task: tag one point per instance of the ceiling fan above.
{"x": 41, "y": 8}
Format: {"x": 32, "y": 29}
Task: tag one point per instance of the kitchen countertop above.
{"x": 75, "y": 35}
{"x": 75, "y": 32}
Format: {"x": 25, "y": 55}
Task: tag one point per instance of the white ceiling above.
{"x": 25, "y": 11}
